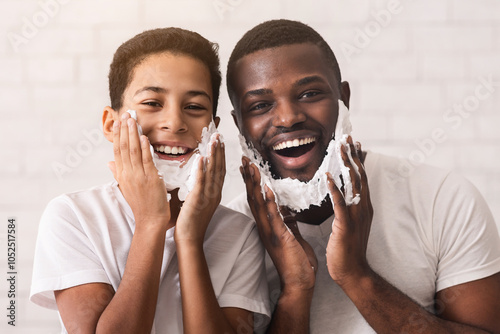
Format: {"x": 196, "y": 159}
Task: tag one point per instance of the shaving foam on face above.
{"x": 298, "y": 195}
{"x": 182, "y": 174}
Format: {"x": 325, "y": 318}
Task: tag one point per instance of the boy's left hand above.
{"x": 202, "y": 201}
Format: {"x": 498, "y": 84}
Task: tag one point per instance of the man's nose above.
{"x": 287, "y": 114}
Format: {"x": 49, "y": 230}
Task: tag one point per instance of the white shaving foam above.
{"x": 298, "y": 195}
{"x": 182, "y": 175}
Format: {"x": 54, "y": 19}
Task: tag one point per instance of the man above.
{"x": 425, "y": 259}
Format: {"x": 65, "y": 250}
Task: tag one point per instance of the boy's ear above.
{"x": 109, "y": 116}
{"x": 217, "y": 121}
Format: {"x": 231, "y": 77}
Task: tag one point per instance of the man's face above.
{"x": 286, "y": 105}
{"x": 172, "y": 95}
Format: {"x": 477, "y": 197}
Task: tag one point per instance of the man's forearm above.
{"x": 388, "y": 310}
{"x": 292, "y": 313}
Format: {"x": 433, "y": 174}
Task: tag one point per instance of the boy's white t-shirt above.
{"x": 85, "y": 237}
{"x": 431, "y": 230}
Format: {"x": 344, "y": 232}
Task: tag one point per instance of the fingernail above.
{"x": 358, "y": 146}
{"x": 251, "y": 171}
{"x": 130, "y": 122}
{"x": 124, "y": 116}
{"x": 116, "y": 125}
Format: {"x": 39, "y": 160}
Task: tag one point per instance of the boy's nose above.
{"x": 172, "y": 119}
{"x": 288, "y": 114}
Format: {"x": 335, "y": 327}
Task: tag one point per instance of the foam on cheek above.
{"x": 298, "y": 195}
{"x": 182, "y": 175}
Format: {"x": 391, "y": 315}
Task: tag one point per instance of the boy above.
{"x": 120, "y": 257}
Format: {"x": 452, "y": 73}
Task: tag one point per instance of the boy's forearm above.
{"x": 200, "y": 310}
{"x": 132, "y": 309}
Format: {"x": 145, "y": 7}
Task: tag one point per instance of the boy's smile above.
{"x": 172, "y": 95}
{"x": 286, "y": 105}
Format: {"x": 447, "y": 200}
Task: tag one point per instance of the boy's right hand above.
{"x": 137, "y": 176}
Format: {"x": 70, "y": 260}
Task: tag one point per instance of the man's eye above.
{"x": 259, "y": 106}
{"x": 152, "y": 104}
{"x": 310, "y": 94}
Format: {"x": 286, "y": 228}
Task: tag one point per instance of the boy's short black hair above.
{"x": 275, "y": 33}
{"x": 174, "y": 40}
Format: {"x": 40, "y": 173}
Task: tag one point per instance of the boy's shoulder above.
{"x": 228, "y": 221}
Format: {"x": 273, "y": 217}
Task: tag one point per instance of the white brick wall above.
{"x": 406, "y": 73}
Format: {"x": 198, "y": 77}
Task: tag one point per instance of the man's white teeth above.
{"x": 170, "y": 149}
{"x": 293, "y": 143}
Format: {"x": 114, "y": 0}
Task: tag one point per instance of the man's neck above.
{"x": 315, "y": 215}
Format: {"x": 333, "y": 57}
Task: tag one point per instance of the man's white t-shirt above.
{"x": 85, "y": 237}
{"x": 431, "y": 230}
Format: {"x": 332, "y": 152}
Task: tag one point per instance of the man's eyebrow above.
{"x": 307, "y": 80}
{"x": 154, "y": 89}
{"x": 258, "y": 92}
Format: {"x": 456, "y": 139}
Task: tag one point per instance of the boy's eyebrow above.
{"x": 258, "y": 92}
{"x": 151, "y": 88}
{"x": 199, "y": 92}
{"x": 307, "y": 80}
{"x": 156, "y": 89}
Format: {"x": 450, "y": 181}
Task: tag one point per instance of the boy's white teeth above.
{"x": 293, "y": 143}
{"x": 170, "y": 149}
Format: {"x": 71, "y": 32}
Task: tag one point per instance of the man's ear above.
{"x": 345, "y": 93}
{"x": 217, "y": 121}
{"x": 109, "y": 116}
{"x": 235, "y": 119}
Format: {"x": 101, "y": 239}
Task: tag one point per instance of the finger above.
{"x": 124, "y": 143}
{"x": 134, "y": 145}
{"x": 355, "y": 178}
{"x": 116, "y": 147}
{"x": 338, "y": 201}
{"x": 221, "y": 162}
{"x": 147, "y": 159}
{"x": 255, "y": 200}
{"x": 276, "y": 222}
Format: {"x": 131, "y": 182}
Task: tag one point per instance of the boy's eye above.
{"x": 152, "y": 104}
{"x": 195, "y": 107}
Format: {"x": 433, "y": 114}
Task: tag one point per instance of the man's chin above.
{"x": 300, "y": 174}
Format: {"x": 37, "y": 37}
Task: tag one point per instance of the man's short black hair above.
{"x": 173, "y": 40}
{"x": 275, "y": 33}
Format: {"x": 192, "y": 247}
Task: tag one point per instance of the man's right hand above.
{"x": 292, "y": 256}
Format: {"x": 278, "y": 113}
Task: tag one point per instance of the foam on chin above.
{"x": 298, "y": 195}
{"x": 182, "y": 175}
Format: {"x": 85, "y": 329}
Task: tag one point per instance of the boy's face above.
{"x": 172, "y": 95}
{"x": 287, "y": 96}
